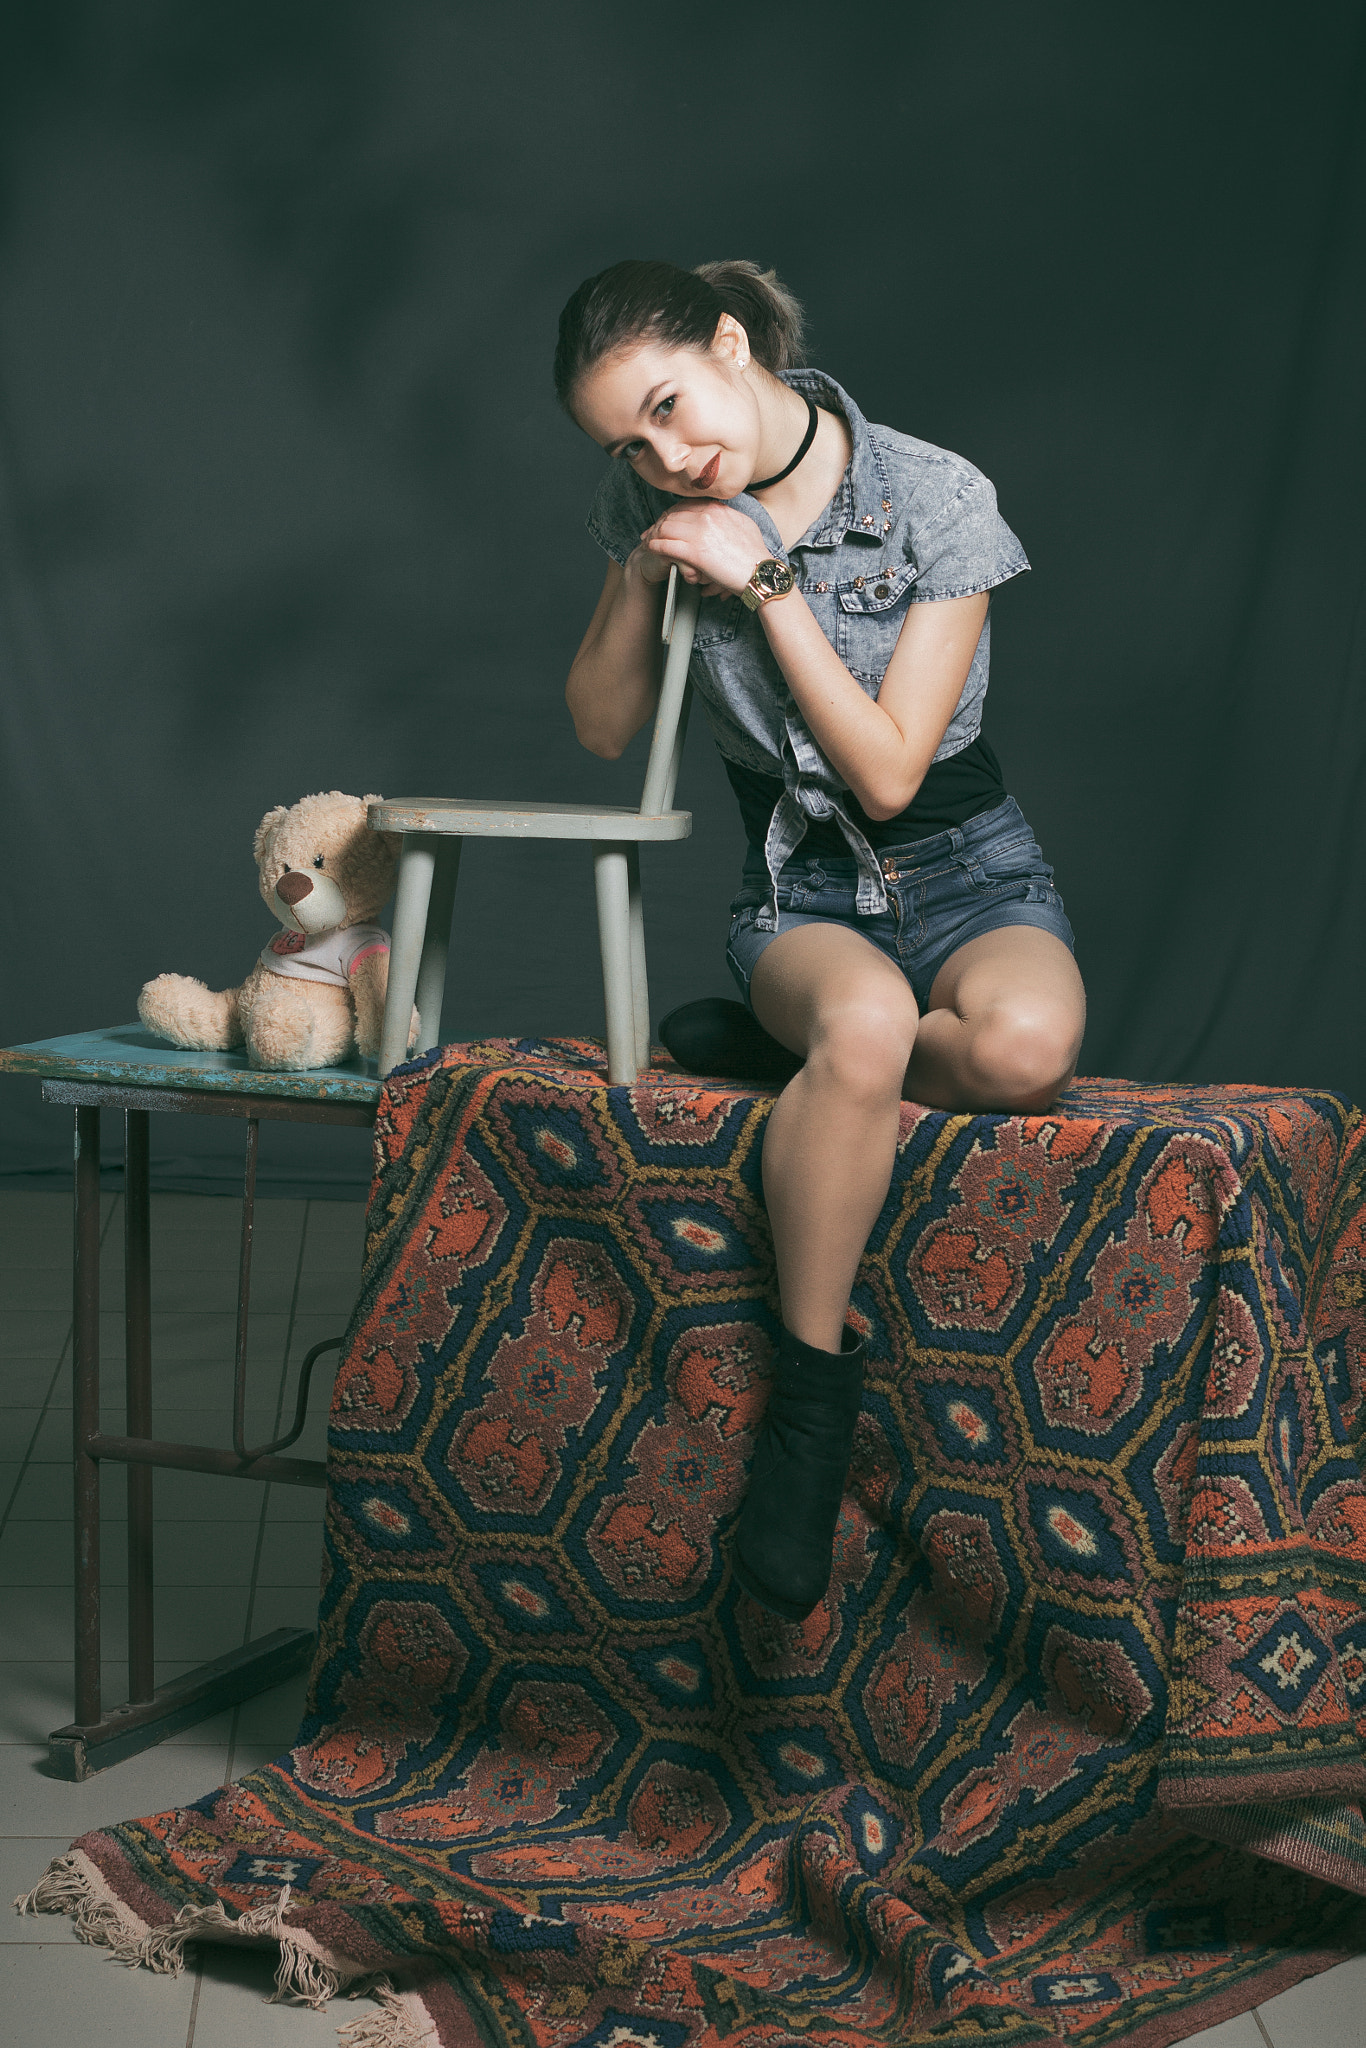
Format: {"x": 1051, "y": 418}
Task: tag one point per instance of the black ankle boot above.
{"x": 714, "y": 1036}
{"x": 786, "y": 1533}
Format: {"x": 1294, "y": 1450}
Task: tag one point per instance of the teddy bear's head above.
{"x": 321, "y": 865}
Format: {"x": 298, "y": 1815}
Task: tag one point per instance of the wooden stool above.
{"x": 433, "y": 828}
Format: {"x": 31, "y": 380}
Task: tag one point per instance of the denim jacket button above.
{"x": 883, "y": 590}
{"x": 858, "y": 583}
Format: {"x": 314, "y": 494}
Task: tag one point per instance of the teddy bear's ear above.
{"x": 393, "y": 840}
{"x": 266, "y": 827}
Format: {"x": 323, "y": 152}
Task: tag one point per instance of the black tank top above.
{"x": 953, "y": 791}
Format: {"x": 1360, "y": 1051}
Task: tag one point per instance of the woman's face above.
{"x": 686, "y": 419}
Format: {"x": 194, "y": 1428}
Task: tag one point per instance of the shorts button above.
{"x": 883, "y": 590}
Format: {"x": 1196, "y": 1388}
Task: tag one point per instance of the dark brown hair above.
{"x": 637, "y": 301}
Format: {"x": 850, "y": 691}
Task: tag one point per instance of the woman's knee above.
{"x": 1023, "y": 1056}
{"x": 861, "y": 1044}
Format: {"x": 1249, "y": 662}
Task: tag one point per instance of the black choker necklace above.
{"x": 809, "y": 437}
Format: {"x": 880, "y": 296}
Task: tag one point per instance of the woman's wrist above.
{"x": 770, "y": 610}
{"x": 638, "y": 562}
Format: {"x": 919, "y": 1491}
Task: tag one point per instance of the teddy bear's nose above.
{"x": 292, "y": 887}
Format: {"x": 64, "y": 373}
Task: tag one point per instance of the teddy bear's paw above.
{"x": 185, "y": 1011}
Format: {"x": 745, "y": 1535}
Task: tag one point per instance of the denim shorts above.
{"x": 941, "y": 892}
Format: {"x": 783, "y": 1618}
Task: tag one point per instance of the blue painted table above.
{"x": 127, "y": 1069}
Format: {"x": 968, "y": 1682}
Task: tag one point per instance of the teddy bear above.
{"x": 317, "y": 992}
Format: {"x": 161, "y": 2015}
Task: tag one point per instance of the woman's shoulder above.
{"x": 944, "y": 516}
{"x": 934, "y": 482}
{"x": 904, "y": 450}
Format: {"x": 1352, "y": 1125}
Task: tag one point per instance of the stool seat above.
{"x": 492, "y": 818}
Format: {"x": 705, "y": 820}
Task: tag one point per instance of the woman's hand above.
{"x": 714, "y": 546}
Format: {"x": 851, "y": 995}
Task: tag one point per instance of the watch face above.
{"x": 775, "y": 579}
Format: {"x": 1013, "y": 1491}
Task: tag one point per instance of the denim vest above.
{"x": 909, "y": 523}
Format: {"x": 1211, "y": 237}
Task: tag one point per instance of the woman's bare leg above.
{"x": 1003, "y": 1027}
{"x": 829, "y": 994}
{"x": 1002, "y": 1032}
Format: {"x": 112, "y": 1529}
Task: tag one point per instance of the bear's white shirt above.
{"x": 327, "y": 956}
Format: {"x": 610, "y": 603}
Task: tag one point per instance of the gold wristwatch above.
{"x": 770, "y": 579}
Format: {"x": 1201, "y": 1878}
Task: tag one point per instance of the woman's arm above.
{"x": 613, "y": 683}
{"x": 881, "y": 747}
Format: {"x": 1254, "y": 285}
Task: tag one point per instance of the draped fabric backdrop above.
{"x": 286, "y": 502}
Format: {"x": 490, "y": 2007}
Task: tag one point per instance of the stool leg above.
{"x": 436, "y": 940}
{"x": 85, "y": 1414}
{"x": 612, "y": 883}
{"x": 137, "y": 1350}
{"x": 412, "y": 897}
{"x": 640, "y": 987}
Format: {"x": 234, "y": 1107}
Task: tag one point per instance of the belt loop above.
{"x": 956, "y": 839}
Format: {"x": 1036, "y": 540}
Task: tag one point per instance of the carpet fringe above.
{"x": 67, "y": 1886}
{"x": 302, "y": 1978}
{"x": 396, "y": 2025}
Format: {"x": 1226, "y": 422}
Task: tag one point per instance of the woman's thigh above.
{"x": 824, "y": 983}
{"x": 1013, "y": 1011}
{"x": 1017, "y": 963}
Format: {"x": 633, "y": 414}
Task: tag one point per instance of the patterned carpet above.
{"x": 1075, "y": 1744}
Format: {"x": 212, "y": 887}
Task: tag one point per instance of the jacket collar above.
{"x": 864, "y": 505}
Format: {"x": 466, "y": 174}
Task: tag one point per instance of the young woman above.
{"x": 895, "y": 927}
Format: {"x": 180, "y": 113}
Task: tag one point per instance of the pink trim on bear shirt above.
{"x": 325, "y": 956}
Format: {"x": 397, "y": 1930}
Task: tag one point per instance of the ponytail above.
{"x": 637, "y": 301}
{"x": 765, "y": 308}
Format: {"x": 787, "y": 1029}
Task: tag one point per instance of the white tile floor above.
{"x": 234, "y": 1560}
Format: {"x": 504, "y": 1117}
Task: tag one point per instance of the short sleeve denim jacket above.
{"x": 909, "y": 523}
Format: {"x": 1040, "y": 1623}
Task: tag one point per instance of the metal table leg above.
{"x": 239, "y": 1371}
{"x": 98, "y": 1736}
{"x": 85, "y": 1412}
{"x": 137, "y": 1346}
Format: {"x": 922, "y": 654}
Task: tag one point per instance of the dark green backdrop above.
{"x": 286, "y": 502}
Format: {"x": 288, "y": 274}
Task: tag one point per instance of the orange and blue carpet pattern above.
{"x": 1073, "y": 1746}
